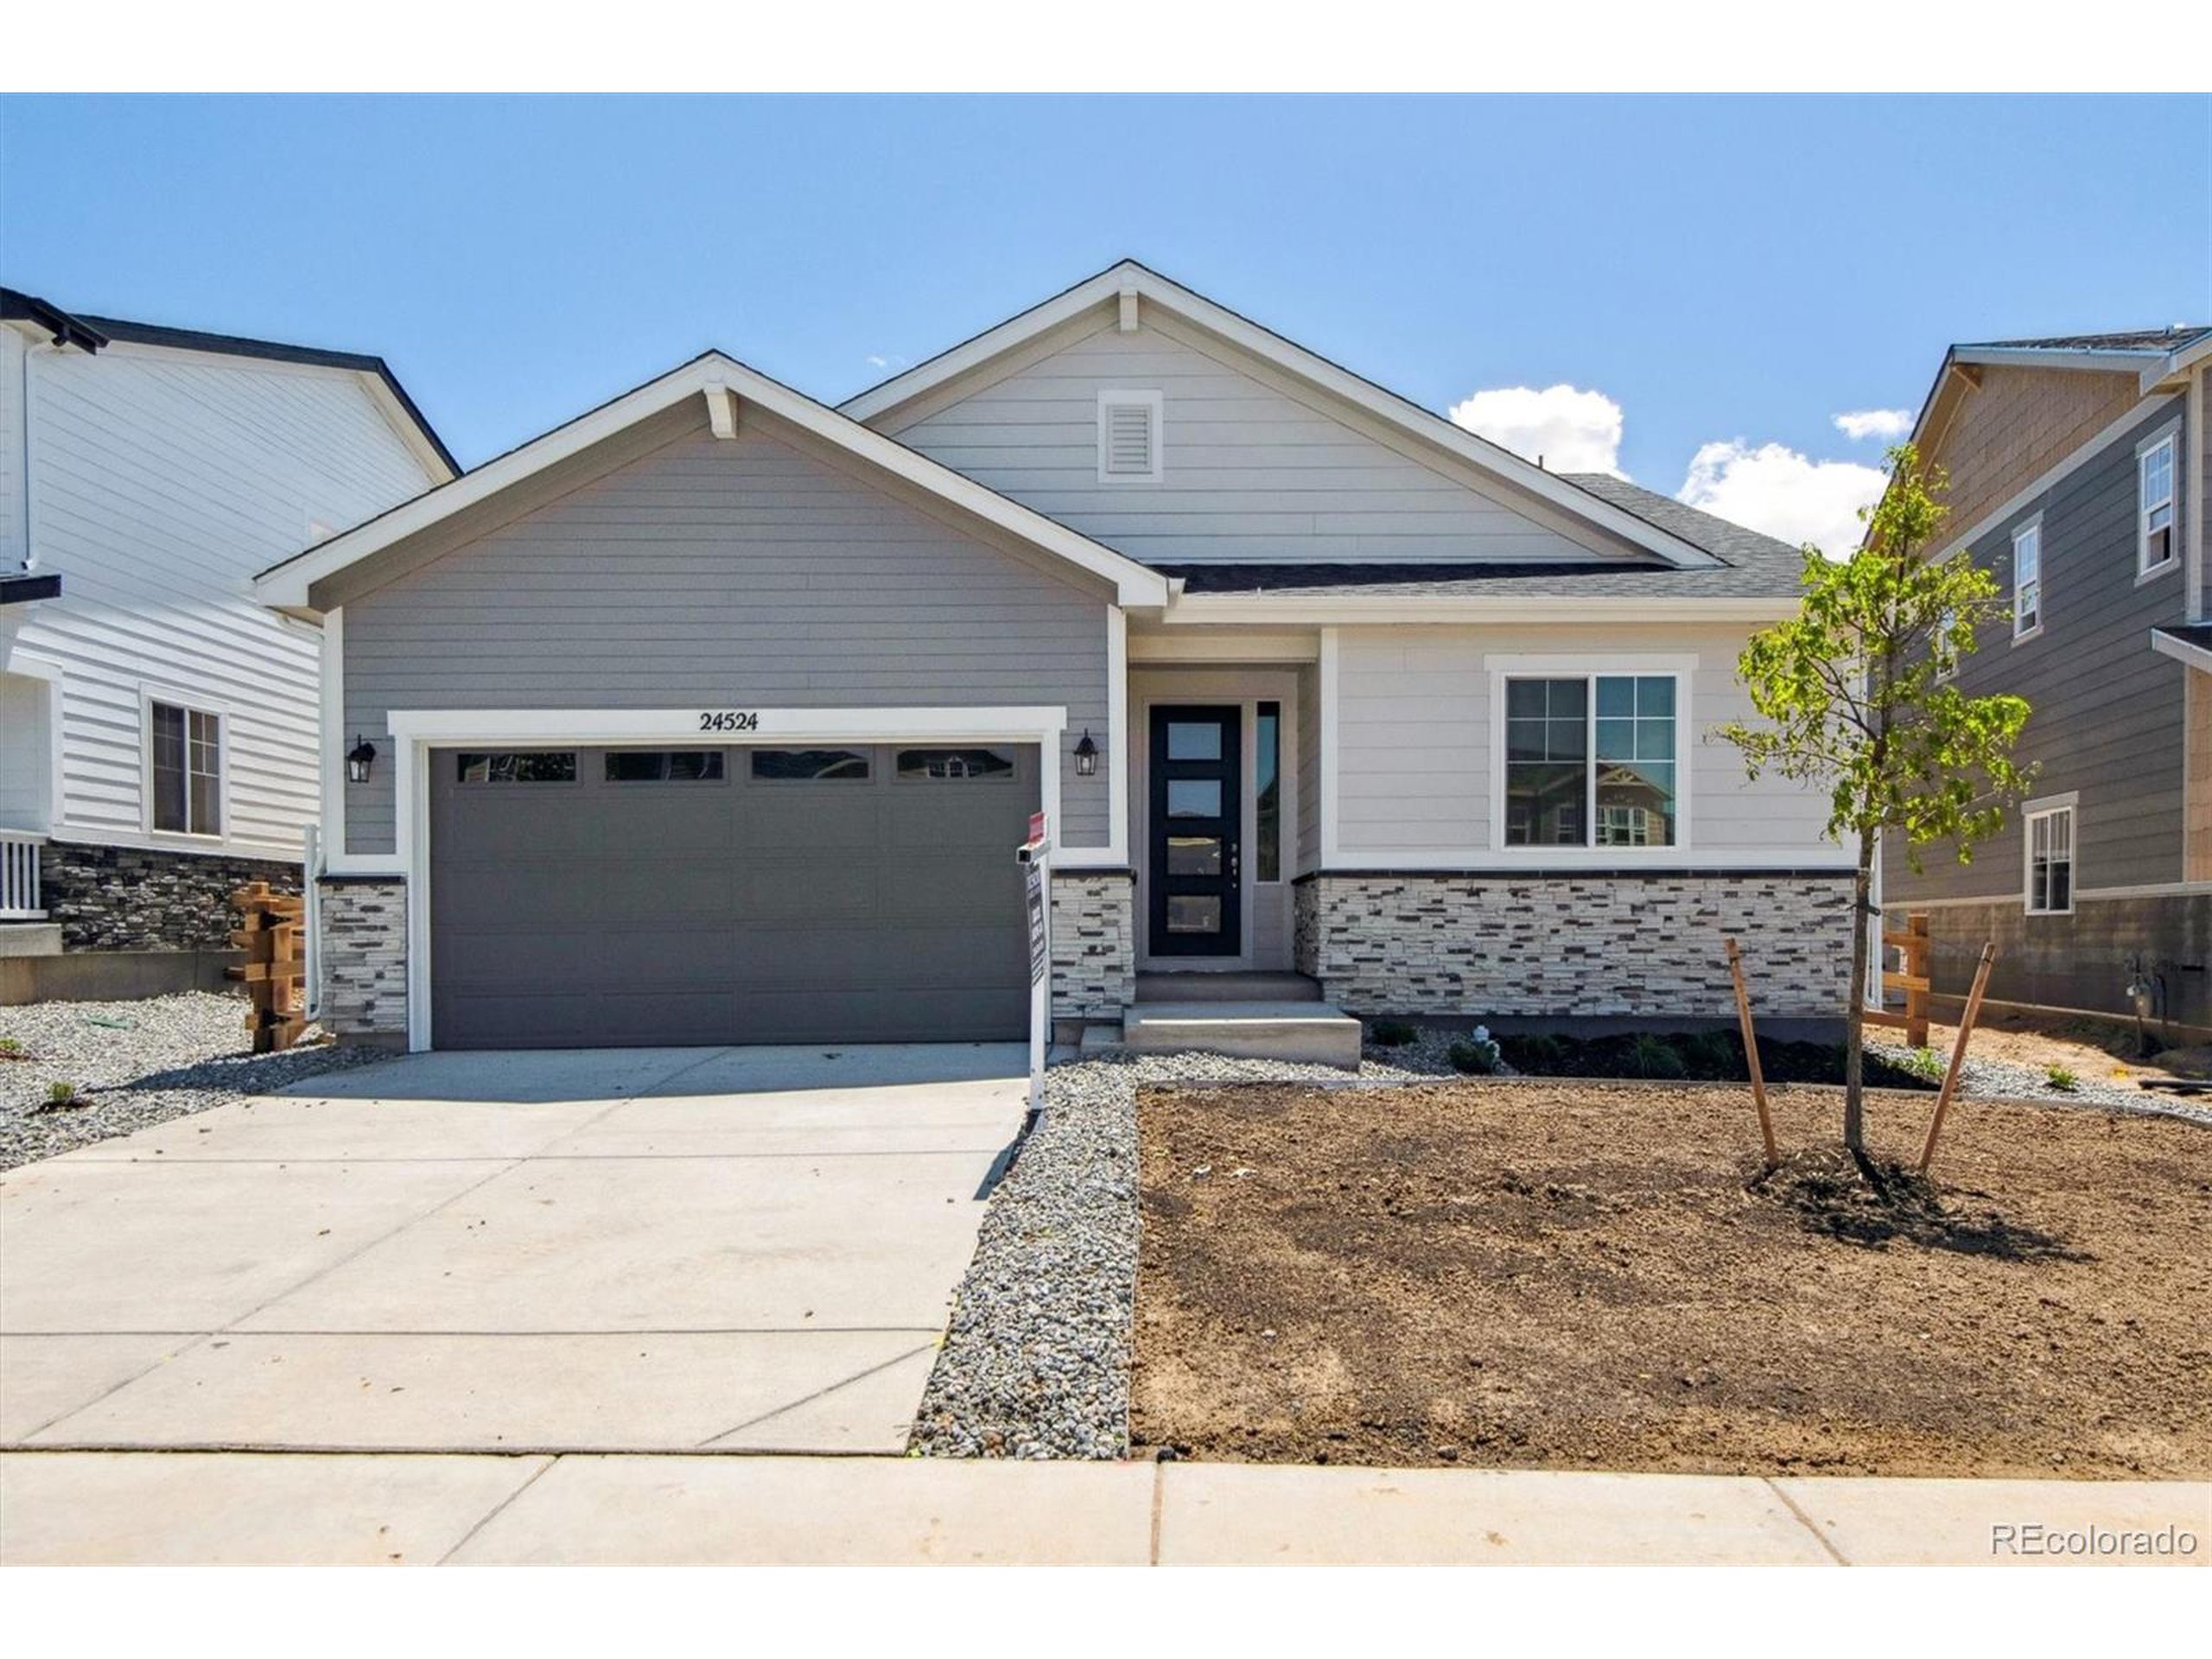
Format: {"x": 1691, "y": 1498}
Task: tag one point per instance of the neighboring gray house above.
{"x": 716, "y": 715}
{"x": 157, "y": 727}
{"x": 2076, "y": 469}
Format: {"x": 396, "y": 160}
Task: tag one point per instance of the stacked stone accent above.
{"x": 364, "y": 960}
{"x": 1094, "y": 944}
{"x": 1573, "y": 945}
{"x": 131, "y": 899}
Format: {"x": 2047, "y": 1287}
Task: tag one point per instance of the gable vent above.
{"x": 1128, "y": 437}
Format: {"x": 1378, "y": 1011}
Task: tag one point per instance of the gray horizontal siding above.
{"x": 1251, "y": 474}
{"x": 724, "y": 574}
{"x": 2107, "y": 710}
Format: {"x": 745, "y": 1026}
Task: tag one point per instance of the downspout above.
{"x": 23, "y": 410}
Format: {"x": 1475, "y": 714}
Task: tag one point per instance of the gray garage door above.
{"x": 581, "y": 897}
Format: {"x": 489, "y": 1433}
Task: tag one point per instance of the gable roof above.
{"x": 1131, "y": 283}
{"x": 723, "y": 382}
{"x": 93, "y": 334}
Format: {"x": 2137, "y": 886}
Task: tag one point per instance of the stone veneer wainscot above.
{"x": 135, "y": 898}
{"x": 1602, "y": 944}
{"x": 1094, "y": 944}
{"x": 365, "y": 959}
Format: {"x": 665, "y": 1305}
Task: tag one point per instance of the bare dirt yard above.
{"x": 1591, "y": 1274}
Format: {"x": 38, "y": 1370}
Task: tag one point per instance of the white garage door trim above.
{"x": 417, "y": 732}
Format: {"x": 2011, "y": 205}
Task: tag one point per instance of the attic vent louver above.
{"x": 1128, "y": 437}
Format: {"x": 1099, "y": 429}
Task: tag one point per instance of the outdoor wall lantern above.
{"x": 358, "y": 759}
{"x": 1086, "y": 756}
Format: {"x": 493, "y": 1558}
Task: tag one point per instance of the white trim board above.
{"x": 1113, "y": 286}
{"x": 710, "y": 377}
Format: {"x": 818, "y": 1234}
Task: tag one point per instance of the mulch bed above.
{"x": 1588, "y": 1274}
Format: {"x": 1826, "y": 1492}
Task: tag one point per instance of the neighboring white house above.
{"x": 159, "y": 728}
{"x": 716, "y": 714}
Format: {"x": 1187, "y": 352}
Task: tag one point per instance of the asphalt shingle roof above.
{"x": 1754, "y": 566}
{"x": 2131, "y": 340}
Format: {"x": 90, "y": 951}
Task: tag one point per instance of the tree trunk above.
{"x": 1854, "y": 1024}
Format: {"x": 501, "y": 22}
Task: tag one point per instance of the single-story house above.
{"x": 717, "y": 714}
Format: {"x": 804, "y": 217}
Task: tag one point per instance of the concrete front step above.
{"x": 1316, "y": 1032}
{"x": 1188, "y": 986}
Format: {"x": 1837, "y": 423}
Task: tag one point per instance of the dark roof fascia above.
{"x": 67, "y": 330}
{"x": 25, "y": 586}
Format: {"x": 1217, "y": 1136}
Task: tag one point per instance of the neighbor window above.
{"x": 2154, "y": 521}
{"x": 1940, "y": 647}
{"x": 1129, "y": 437}
{"x": 538, "y": 766}
{"x": 1590, "y": 761}
{"x": 2027, "y": 579}
{"x": 2051, "y": 861}
{"x": 663, "y": 765}
{"x": 1266, "y": 785}
{"x": 955, "y": 763}
{"x": 188, "y": 769}
{"x": 809, "y": 765}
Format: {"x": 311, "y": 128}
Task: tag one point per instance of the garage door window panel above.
{"x": 970, "y": 765}
{"x": 810, "y": 767}
{"x": 517, "y": 767}
{"x": 664, "y": 766}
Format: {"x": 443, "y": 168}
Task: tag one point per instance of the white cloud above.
{"x": 878, "y": 361}
{"x": 1775, "y": 490}
{"x": 1861, "y": 424}
{"x": 1574, "y": 431}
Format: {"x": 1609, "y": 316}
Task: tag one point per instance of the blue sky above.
{"x": 1720, "y": 270}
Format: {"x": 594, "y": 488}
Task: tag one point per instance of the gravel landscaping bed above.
{"x": 1999, "y": 1080}
{"x": 1036, "y": 1360}
{"x": 135, "y": 1064}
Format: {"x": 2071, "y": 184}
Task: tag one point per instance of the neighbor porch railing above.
{"x": 19, "y": 898}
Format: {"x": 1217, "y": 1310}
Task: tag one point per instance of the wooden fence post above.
{"x": 1958, "y": 1052}
{"x": 273, "y": 972}
{"x": 1752, "y": 1049}
{"x": 1913, "y": 979}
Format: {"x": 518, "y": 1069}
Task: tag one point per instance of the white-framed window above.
{"x": 184, "y": 768}
{"x": 2050, "y": 858}
{"x": 1131, "y": 435}
{"x": 1947, "y": 659}
{"x": 2027, "y": 579}
{"x": 2154, "y": 506}
{"x": 1591, "y": 760}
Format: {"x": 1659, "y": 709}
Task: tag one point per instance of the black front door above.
{"x": 1196, "y": 866}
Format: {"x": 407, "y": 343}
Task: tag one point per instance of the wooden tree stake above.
{"x": 1752, "y": 1050}
{"x": 1959, "y": 1053}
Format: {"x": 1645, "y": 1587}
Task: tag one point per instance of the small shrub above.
{"x": 62, "y": 1093}
{"x": 1393, "y": 1033}
{"x": 1655, "y": 1057}
{"x": 2061, "y": 1079}
{"x": 1924, "y": 1064}
{"x": 1544, "y": 1050}
{"x": 11, "y": 1048}
{"x": 1476, "y": 1054}
{"x": 1713, "y": 1055}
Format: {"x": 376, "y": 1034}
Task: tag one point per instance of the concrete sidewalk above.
{"x": 297, "y": 1507}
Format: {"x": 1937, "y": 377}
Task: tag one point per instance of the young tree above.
{"x": 1856, "y": 694}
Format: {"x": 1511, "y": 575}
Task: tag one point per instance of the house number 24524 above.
{"x": 729, "y": 719}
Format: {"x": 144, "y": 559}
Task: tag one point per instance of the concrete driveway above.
{"x": 610, "y": 1250}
